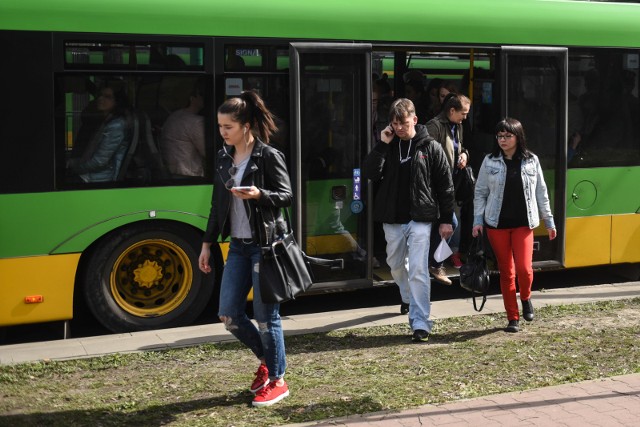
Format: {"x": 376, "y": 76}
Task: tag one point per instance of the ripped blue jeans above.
{"x": 241, "y": 273}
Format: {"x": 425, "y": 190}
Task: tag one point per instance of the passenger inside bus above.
{"x": 182, "y": 141}
{"x": 432, "y": 92}
{"x": 445, "y": 89}
{"x": 381, "y": 98}
{"x": 447, "y": 129}
{"x": 414, "y": 90}
{"x": 102, "y": 158}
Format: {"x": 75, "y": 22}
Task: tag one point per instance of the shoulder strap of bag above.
{"x": 333, "y": 264}
{"x": 484, "y": 300}
{"x": 479, "y": 247}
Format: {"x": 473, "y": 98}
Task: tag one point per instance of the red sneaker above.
{"x": 270, "y": 394}
{"x": 455, "y": 260}
{"x": 262, "y": 379}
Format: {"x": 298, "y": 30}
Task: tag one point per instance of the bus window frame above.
{"x": 61, "y": 69}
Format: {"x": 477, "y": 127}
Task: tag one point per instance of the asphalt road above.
{"x": 84, "y": 325}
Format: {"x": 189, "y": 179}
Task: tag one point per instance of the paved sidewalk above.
{"x": 606, "y": 403}
{"x": 293, "y": 325}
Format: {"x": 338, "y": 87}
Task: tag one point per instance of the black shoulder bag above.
{"x": 285, "y": 270}
{"x": 464, "y": 184}
{"x": 474, "y": 274}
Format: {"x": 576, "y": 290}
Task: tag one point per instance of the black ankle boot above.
{"x": 512, "y": 326}
{"x": 527, "y": 310}
{"x": 404, "y": 308}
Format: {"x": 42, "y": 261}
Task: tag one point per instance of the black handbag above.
{"x": 464, "y": 184}
{"x": 285, "y": 270}
{"x": 474, "y": 274}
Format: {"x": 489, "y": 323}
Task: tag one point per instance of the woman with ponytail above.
{"x": 251, "y": 185}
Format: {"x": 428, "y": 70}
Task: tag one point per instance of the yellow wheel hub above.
{"x": 147, "y": 274}
{"x": 151, "y": 278}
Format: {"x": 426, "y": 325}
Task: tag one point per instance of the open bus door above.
{"x": 534, "y": 91}
{"x": 330, "y": 123}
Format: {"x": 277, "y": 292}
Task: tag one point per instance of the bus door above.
{"x": 330, "y": 129}
{"x": 534, "y": 91}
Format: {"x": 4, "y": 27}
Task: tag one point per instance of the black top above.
{"x": 404, "y": 179}
{"x": 514, "y": 208}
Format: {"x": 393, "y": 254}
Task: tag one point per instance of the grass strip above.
{"x": 332, "y": 374}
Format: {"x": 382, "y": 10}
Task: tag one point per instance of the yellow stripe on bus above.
{"x": 599, "y": 240}
{"x": 50, "y": 277}
{"x": 625, "y": 238}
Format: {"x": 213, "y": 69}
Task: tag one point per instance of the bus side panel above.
{"x": 602, "y": 191}
{"x": 625, "y": 238}
{"x": 588, "y": 241}
{"x": 69, "y": 221}
{"x": 85, "y": 237}
{"x": 50, "y": 277}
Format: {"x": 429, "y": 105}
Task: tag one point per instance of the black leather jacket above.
{"x": 431, "y": 186}
{"x": 267, "y": 170}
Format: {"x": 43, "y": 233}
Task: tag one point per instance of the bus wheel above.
{"x": 146, "y": 277}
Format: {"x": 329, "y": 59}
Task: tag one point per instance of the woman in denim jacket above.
{"x": 510, "y": 190}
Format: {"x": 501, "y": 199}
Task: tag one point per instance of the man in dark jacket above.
{"x": 415, "y": 190}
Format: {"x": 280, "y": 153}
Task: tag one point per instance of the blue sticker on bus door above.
{"x": 356, "y": 184}
{"x": 356, "y": 205}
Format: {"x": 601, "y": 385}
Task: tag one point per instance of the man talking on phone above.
{"x": 415, "y": 191}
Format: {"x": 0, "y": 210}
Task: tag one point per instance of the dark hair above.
{"x": 514, "y": 127}
{"x": 401, "y": 108}
{"x": 455, "y": 101}
{"x": 198, "y": 89}
{"x": 417, "y": 86}
{"x": 250, "y": 108}
{"x": 434, "y": 84}
{"x": 122, "y": 106}
{"x": 450, "y": 86}
{"x": 382, "y": 85}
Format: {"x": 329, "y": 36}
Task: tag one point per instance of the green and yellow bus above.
{"x": 127, "y": 249}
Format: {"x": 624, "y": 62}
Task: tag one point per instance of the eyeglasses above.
{"x": 233, "y": 170}
{"x": 507, "y": 136}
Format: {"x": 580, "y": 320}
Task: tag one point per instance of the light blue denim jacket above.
{"x": 489, "y": 192}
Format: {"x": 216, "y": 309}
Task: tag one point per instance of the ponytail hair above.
{"x": 250, "y": 108}
{"x": 455, "y": 101}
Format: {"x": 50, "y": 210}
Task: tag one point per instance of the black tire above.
{"x": 145, "y": 276}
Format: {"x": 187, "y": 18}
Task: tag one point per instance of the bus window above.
{"x": 604, "y": 117}
{"x": 263, "y": 69}
{"x": 122, "y": 130}
{"x": 133, "y": 55}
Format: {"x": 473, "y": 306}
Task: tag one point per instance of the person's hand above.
{"x": 252, "y": 193}
{"x": 462, "y": 160}
{"x": 477, "y": 229}
{"x": 386, "y": 135}
{"x": 203, "y": 259}
{"x": 446, "y": 231}
{"x": 552, "y": 233}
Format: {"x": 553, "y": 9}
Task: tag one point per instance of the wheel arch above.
{"x": 80, "y": 306}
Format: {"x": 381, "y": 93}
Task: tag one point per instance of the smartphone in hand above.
{"x": 242, "y": 188}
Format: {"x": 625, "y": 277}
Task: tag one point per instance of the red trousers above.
{"x": 513, "y": 248}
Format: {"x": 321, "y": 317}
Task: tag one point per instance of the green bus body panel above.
{"x": 69, "y": 221}
{"x": 322, "y": 216}
{"x": 603, "y": 191}
{"x": 539, "y": 22}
